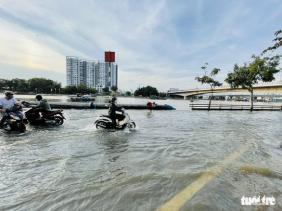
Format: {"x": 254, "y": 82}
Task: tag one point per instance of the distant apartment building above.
{"x": 94, "y": 74}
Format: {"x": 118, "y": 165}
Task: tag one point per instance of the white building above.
{"x": 72, "y": 66}
{"x": 93, "y": 74}
{"x": 90, "y": 73}
{"x": 111, "y": 74}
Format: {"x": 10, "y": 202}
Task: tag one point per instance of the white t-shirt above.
{"x": 7, "y": 104}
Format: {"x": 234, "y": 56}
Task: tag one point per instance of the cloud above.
{"x": 161, "y": 42}
{"x": 19, "y": 48}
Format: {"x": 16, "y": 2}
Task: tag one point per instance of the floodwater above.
{"x": 77, "y": 167}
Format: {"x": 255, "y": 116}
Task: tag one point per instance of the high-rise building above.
{"x": 93, "y": 74}
{"x": 90, "y": 74}
{"x": 72, "y": 67}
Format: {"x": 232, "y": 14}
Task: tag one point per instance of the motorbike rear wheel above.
{"x": 58, "y": 120}
{"x": 101, "y": 124}
{"x": 131, "y": 125}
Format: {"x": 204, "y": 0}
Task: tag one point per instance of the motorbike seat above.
{"x": 51, "y": 113}
{"x": 104, "y": 115}
{"x": 120, "y": 117}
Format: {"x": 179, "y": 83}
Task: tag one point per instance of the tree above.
{"x": 70, "y": 90}
{"x": 277, "y": 42}
{"x": 259, "y": 69}
{"x": 3, "y": 84}
{"x": 106, "y": 90}
{"x": 43, "y": 85}
{"x": 82, "y": 88}
{"x": 19, "y": 85}
{"x": 114, "y": 88}
{"x": 128, "y": 93}
{"x": 92, "y": 91}
{"x": 209, "y": 79}
{"x": 146, "y": 91}
{"x": 32, "y": 85}
{"x": 162, "y": 94}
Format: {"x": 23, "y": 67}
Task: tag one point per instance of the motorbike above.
{"x": 54, "y": 118}
{"x": 35, "y": 117}
{"x": 124, "y": 121}
{"x": 15, "y": 120}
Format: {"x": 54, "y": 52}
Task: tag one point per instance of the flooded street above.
{"x": 77, "y": 167}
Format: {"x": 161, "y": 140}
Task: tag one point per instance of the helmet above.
{"x": 9, "y": 93}
{"x": 114, "y": 99}
{"x": 38, "y": 97}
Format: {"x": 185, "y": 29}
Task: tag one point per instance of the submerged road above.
{"x": 191, "y": 160}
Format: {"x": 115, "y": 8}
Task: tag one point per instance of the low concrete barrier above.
{"x": 61, "y": 105}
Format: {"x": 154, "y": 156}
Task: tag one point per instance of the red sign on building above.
{"x": 110, "y": 56}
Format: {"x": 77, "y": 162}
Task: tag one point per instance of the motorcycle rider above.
{"x": 116, "y": 119}
{"x": 42, "y": 107}
{"x": 7, "y": 104}
{"x": 42, "y": 113}
{"x": 112, "y": 111}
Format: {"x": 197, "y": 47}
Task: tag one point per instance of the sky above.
{"x": 162, "y": 43}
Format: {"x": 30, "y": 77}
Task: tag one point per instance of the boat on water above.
{"x": 81, "y": 98}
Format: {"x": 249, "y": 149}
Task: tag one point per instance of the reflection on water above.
{"x": 76, "y": 167}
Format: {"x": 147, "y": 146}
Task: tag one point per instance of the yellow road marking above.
{"x": 260, "y": 171}
{"x": 175, "y": 203}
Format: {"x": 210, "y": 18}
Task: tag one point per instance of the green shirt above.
{"x": 44, "y": 105}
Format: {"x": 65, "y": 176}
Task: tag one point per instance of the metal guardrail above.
{"x": 196, "y": 106}
{"x": 258, "y": 86}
